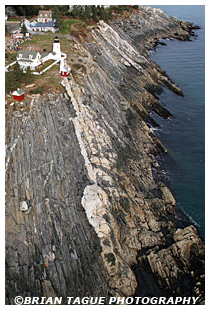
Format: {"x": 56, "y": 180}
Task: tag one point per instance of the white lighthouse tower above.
{"x": 56, "y": 48}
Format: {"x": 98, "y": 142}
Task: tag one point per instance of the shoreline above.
{"x": 189, "y": 217}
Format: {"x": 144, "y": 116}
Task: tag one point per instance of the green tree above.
{"x": 75, "y": 11}
{"x": 62, "y": 9}
{"x": 11, "y": 83}
{"x": 86, "y": 13}
{"x": 18, "y": 73}
{"x": 28, "y": 76}
{"x": 95, "y": 13}
{"x": 31, "y": 10}
{"x": 57, "y": 15}
{"x": 102, "y": 13}
{"x": 23, "y": 28}
{"x": 78, "y": 11}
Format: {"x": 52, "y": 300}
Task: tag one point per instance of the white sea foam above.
{"x": 154, "y": 129}
{"x": 193, "y": 221}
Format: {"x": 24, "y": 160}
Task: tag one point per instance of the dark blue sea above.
{"x": 184, "y": 134}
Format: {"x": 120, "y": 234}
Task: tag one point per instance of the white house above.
{"x": 43, "y": 27}
{"x": 26, "y": 23}
{"x": 46, "y": 56}
{"x": 29, "y": 59}
{"x": 18, "y": 35}
{"x": 44, "y": 16}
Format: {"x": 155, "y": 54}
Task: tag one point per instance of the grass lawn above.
{"x": 14, "y": 19}
{"x": 10, "y": 57}
{"x": 45, "y": 41}
{"x": 38, "y": 40}
{"x": 49, "y": 81}
{"x": 67, "y": 23}
{"x": 45, "y": 65}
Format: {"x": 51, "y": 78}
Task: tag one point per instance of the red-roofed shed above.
{"x": 18, "y": 95}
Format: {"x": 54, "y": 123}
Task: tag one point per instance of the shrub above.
{"x": 38, "y": 90}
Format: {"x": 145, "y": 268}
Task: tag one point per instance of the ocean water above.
{"x": 184, "y": 134}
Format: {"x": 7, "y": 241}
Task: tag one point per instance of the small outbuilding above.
{"x": 18, "y": 35}
{"x": 18, "y": 95}
{"x": 64, "y": 69}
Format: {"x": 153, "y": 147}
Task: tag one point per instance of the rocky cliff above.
{"x": 86, "y": 213}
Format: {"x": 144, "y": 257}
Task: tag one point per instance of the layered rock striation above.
{"x": 86, "y": 214}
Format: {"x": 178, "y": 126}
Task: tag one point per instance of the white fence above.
{"x": 44, "y": 70}
{"x": 10, "y": 65}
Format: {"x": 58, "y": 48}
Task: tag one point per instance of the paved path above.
{"x": 12, "y": 26}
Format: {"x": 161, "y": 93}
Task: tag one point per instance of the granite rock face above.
{"x": 85, "y": 213}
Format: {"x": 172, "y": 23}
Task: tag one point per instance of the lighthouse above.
{"x": 56, "y": 48}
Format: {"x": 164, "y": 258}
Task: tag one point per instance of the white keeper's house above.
{"x": 44, "y": 16}
{"x": 29, "y": 59}
{"x": 43, "y": 27}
